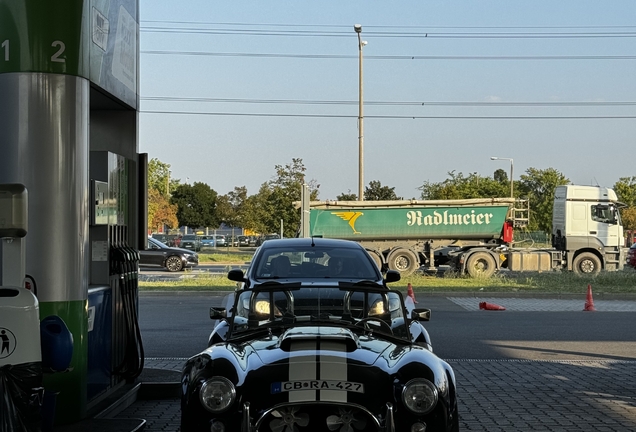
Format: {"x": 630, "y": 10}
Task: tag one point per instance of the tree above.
{"x": 376, "y": 192}
{"x": 276, "y": 198}
{"x": 459, "y": 187}
{"x": 160, "y": 211}
{"x": 256, "y": 208}
{"x": 159, "y": 177}
{"x": 625, "y": 189}
{"x": 196, "y": 205}
{"x": 347, "y": 196}
{"x": 230, "y": 207}
{"x": 539, "y": 186}
{"x": 501, "y": 176}
{"x": 628, "y": 216}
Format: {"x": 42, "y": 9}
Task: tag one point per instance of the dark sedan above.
{"x": 310, "y": 260}
{"x": 172, "y": 259}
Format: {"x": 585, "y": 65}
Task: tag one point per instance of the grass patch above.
{"x": 225, "y": 257}
{"x": 548, "y": 282}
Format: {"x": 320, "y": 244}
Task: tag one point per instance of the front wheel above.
{"x": 480, "y": 265}
{"x": 377, "y": 258}
{"x": 404, "y": 261}
{"x": 174, "y": 264}
{"x": 586, "y": 264}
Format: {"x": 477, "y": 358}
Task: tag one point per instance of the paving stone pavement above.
{"x": 545, "y": 305}
{"x": 497, "y": 396}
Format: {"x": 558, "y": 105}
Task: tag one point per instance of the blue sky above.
{"x": 424, "y": 60}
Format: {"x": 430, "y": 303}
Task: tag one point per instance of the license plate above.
{"x": 288, "y": 386}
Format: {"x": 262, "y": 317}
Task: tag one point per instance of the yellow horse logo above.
{"x": 351, "y": 217}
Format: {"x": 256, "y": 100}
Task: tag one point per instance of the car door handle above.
{"x": 592, "y": 232}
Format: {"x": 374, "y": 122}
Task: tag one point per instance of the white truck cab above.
{"x": 586, "y": 225}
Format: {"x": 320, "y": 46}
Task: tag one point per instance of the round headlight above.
{"x": 217, "y": 394}
{"x": 419, "y": 396}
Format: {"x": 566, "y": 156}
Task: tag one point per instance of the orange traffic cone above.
{"x": 410, "y": 292}
{"x": 589, "y": 301}
{"x": 490, "y": 306}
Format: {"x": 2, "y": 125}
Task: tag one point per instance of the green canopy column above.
{"x": 44, "y": 119}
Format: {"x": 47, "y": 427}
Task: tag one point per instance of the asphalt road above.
{"x": 524, "y": 369}
{"x": 179, "y": 326}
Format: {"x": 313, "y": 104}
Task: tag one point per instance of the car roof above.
{"x": 318, "y": 241}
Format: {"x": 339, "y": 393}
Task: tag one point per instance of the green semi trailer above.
{"x": 475, "y": 236}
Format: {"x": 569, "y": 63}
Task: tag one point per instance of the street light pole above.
{"x": 511, "y": 172}
{"x": 361, "y": 43}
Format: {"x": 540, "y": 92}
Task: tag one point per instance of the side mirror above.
{"x": 421, "y": 314}
{"x": 392, "y": 276}
{"x": 218, "y": 313}
{"x": 236, "y": 275}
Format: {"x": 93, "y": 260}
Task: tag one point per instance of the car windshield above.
{"x": 315, "y": 262}
{"x": 360, "y": 308}
{"x": 155, "y": 242}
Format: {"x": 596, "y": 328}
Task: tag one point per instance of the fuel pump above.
{"x": 21, "y": 391}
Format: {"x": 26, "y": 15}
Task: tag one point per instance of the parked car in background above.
{"x": 191, "y": 242}
{"x": 221, "y": 240}
{"x": 207, "y": 242}
{"x": 266, "y": 237}
{"x": 171, "y": 240}
{"x": 252, "y": 240}
{"x": 158, "y": 254}
{"x": 631, "y": 256}
{"x": 243, "y": 241}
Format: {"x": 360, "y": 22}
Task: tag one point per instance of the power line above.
{"x": 393, "y": 103}
{"x": 389, "y": 57}
{"x": 385, "y": 34}
{"x": 347, "y": 26}
{"x": 318, "y": 30}
{"x": 394, "y": 117}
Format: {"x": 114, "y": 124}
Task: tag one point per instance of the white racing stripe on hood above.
{"x": 334, "y": 368}
{"x": 303, "y": 368}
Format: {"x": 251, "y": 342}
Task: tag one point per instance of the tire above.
{"x": 481, "y": 265}
{"x": 404, "y": 261}
{"x": 174, "y": 264}
{"x": 377, "y": 258}
{"x": 586, "y": 264}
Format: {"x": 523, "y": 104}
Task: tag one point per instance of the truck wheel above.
{"x": 376, "y": 258}
{"x": 586, "y": 264}
{"x": 480, "y": 265}
{"x": 404, "y": 261}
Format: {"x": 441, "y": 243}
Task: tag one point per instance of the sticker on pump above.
{"x": 8, "y": 342}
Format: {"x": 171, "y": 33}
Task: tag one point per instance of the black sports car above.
{"x": 296, "y": 358}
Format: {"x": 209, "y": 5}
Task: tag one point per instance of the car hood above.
{"x": 331, "y": 344}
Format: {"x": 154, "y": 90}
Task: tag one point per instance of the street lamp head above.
{"x": 493, "y": 158}
{"x": 357, "y": 28}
